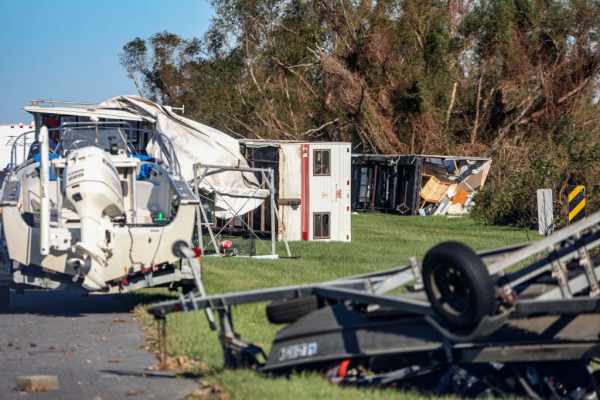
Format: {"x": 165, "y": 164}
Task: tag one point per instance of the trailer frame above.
{"x": 573, "y": 296}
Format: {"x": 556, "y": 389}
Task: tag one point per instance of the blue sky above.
{"x": 68, "y": 49}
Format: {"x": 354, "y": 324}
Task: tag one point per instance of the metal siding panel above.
{"x": 346, "y": 179}
{"x": 306, "y": 193}
{"x": 290, "y": 184}
{"x": 336, "y": 193}
{"x": 320, "y": 192}
{"x": 321, "y": 189}
{"x": 332, "y": 193}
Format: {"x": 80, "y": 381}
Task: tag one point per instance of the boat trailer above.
{"x": 521, "y": 319}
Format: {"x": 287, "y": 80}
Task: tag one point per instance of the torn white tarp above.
{"x": 198, "y": 143}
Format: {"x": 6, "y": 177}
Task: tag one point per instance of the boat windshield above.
{"x": 110, "y": 137}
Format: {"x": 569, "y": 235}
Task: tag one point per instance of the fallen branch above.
{"x": 531, "y": 99}
{"x": 297, "y": 75}
{"x": 451, "y": 105}
{"x": 308, "y": 132}
{"x": 476, "y": 122}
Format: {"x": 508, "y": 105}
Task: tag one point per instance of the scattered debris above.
{"x": 174, "y": 363}
{"x": 208, "y": 391}
{"x": 37, "y": 383}
{"x": 417, "y": 184}
{"x": 136, "y": 393}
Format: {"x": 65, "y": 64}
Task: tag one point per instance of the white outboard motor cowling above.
{"x": 93, "y": 187}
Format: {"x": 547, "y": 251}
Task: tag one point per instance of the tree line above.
{"x": 517, "y": 80}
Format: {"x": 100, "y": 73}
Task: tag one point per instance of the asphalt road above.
{"x": 92, "y": 343}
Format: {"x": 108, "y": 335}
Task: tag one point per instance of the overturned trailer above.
{"x": 312, "y": 186}
{"x": 523, "y": 319}
{"x": 416, "y": 184}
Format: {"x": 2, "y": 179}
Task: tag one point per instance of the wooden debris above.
{"x": 36, "y": 383}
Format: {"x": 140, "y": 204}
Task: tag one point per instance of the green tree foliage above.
{"x": 513, "y": 79}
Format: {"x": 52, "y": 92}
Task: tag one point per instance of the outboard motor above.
{"x": 93, "y": 187}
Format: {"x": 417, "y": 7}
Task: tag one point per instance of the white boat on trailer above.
{"x": 88, "y": 209}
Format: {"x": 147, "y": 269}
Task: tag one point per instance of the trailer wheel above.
{"x": 458, "y": 285}
{"x": 288, "y": 311}
{"x": 4, "y": 298}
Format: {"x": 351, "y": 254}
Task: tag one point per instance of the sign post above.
{"x": 545, "y": 212}
{"x": 576, "y": 203}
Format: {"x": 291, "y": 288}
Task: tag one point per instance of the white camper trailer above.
{"x": 8, "y": 134}
{"x": 313, "y": 187}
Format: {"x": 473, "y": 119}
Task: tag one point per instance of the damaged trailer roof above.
{"x": 90, "y": 111}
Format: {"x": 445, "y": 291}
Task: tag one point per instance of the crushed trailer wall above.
{"x": 386, "y": 183}
{"x": 416, "y": 184}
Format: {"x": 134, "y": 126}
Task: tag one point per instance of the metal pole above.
{"x": 181, "y": 249}
{"x": 131, "y": 178}
{"x": 559, "y": 273}
{"x": 44, "y": 200}
{"x": 59, "y": 199}
{"x": 210, "y": 232}
{"x": 195, "y": 267}
{"x": 283, "y": 232}
{"x": 24, "y": 151}
{"x": 585, "y": 261}
{"x": 198, "y": 216}
{"x": 273, "y": 227}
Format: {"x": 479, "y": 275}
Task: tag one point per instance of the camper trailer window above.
{"x": 321, "y": 163}
{"x": 321, "y": 225}
{"x": 366, "y": 182}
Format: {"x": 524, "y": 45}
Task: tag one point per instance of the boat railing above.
{"x": 20, "y": 149}
{"x": 38, "y": 102}
{"x": 135, "y": 141}
{"x": 166, "y": 152}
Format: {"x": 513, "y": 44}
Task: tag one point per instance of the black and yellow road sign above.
{"x": 576, "y": 202}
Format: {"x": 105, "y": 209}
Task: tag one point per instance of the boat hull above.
{"x": 139, "y": 247}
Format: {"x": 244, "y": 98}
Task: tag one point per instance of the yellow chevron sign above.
{"x": 576, "y": 202}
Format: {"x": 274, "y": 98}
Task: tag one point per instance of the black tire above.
{"x": 4, "y": 298}
{"x": 288, "y": 311}
{"x": 458, "y": 285}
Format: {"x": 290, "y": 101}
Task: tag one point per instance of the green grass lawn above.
{"x": 378, "y": 242}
